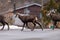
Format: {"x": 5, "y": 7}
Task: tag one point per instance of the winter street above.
{"x": 37, "y": 34}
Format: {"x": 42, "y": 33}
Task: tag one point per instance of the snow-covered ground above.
{"x": 15, "y": 33}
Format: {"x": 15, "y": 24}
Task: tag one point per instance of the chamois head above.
{"x": 50, "y": 13}
{"x": 17, "y": 14}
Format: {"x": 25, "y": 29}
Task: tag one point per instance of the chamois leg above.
{"x": 34, "y": 26}
{"x": 7, "y": 25}
{"x": 27, "y": 25}
{"x": 39, "y": 25}
{"x": 23, "y": 27}
{"x": 3, "y": 25}
{"x": 54, "y": 24}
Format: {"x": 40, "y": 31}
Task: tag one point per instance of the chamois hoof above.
{"x": 1, "y": 29}
{"x": 8, "y": 29}
{"x": 21, "y": 29}
{"x": 32, "y": 29}
{"x": 42, "y": 29}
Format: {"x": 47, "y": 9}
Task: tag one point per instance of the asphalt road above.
{"x": 37, "y": 34}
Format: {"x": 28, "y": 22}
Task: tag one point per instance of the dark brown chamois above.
{"x": 3, "y": 22}
{"x": 30, "y": 18}
{"x": 54, "y": 17}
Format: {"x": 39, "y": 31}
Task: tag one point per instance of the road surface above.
{"x": 27, "y": 34}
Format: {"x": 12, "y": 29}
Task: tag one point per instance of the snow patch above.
{"x": 11, "y": 27}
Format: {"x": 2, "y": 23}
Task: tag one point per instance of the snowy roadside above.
{"x": 15, "y": 34}
{"x": 11, "y": 27}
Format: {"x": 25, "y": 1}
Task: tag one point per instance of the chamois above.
{"x": 3, "y": 22}
{"x": 54, "y": 17}
{"x": 29, "y": 18}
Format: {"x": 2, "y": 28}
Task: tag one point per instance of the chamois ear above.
{"x": 48, "y": 13}
{"x": 16, "y": 15}
{"x": 36, "y": 18}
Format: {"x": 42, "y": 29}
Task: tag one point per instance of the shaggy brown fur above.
{"x": 30, "y": 18}
{"x": 3, "y": 22}
{"x": 55, "y": 18}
